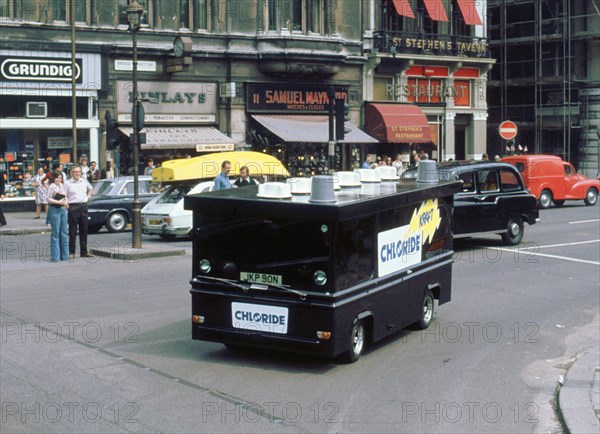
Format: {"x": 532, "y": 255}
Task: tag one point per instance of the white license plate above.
{"x": 261, "y": 278}
{"x": 259, "y": 317}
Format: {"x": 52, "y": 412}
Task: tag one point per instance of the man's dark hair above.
{"x": 224, "y": 163}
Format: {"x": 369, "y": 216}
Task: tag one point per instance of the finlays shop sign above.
{"x": 170, "y": 102}
{"x": 39, "y": 69}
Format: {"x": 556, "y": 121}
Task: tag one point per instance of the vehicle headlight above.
{"x": 320, "y": 277}
{"x": 205, "y": 266}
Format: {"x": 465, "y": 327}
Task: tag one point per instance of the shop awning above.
{"x": 396, "y": 123}
{"x": 202, "y": 139}
{"x": 403, "y": 8}
{"x": 308, "y": 129}
{"x": 436, "y": 11}
{"x": 469, "y": 12}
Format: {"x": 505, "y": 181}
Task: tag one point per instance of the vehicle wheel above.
{"x": 591, "y": 197}
{"x": 514, "y": 234}
{"x": 116, "y": 222}
{"x": 94, "y": 229}
{"x": 356, "y": 342}
{"x": 427, "y": 314}
{"x": 167, "y": 236}
{"x": 559, "y": 203}
{"x": 545, "y": 199}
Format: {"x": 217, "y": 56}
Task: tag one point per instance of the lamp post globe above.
{"x": 134, "y": 16}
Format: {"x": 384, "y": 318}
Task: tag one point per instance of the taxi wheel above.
{"x": 356, "y": 342}
{"x": 514, "y": 234}
{"x": 545, "y": 199}
{"x": 427, "y": 313}
{"x": 116, "y": 222}
{"x": 591, "y": 198}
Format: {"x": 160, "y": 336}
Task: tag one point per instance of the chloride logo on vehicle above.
{"x": 259, "y": 317}
{"x": 402, "y": 247}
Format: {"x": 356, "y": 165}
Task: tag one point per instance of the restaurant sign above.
{"x": 286, "y": 98}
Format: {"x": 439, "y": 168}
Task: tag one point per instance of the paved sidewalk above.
{"x": 24, "y": 223}
{"x": 579, "y": 397}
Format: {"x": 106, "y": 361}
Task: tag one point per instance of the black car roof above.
{"x": 467, "y": 166}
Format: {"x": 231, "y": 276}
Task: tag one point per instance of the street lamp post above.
{"x": 134, "y": 15}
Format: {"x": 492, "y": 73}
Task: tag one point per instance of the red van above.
{"x": 551, "y": 179}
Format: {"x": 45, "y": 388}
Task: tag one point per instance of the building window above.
{"x": 59, "y": 10}
{"x": 6, "y": 9}
{"x": 184, "y": 14}
{"x": 81, "y": 11}
{"x": 298, "y": 16}
{"x": 200, "y": 15}
{"x": 272, "y": 14}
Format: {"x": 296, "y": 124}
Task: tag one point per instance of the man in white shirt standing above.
{"x": 78, "y": 191}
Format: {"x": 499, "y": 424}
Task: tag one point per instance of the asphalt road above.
{"x": 102, "y": 345}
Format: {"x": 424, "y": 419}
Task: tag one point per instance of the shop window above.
{"x": 424, "y": 90}
{"x": 462, "y": 94}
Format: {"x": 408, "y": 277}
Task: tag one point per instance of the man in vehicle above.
{"x": 244, "y": 178}
{"x": 222, "y": 181}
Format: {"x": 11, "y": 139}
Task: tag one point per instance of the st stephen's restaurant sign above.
{"x": 170, "y": 102}
{"x": 39, "y": 69}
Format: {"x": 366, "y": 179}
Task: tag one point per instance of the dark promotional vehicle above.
{"x": 493, "y": 199}
{"x": 319, "y": 275}
{"x": 112, "y": 202}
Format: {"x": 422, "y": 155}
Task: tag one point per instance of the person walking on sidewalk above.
{"x": 41, "y": 193}
{"x": 59, "y": 244}
{"x": 2, "y": 193}
{"x": 78, "y": 191}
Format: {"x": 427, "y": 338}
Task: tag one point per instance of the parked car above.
{"x": 112, "y": 202}
{"x": 164, "y": 215}
{"x": 493, "y": 199}
{"x": 550, "y": 179}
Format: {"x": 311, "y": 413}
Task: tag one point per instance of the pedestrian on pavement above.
{"x": 150, "y": 168}
{"x": 94, "y": 173}
{"x": 367, "y": 163}
{"x": 245, "y": 179}
{"x": 78, "y": 191}
{"x": 397, "y": 164}
{"x": 222, "y": 181}
{"x": 57, "y": 198}
{"x": 2, "y": 194}
{"x": 41, "y": 193}
{"x": 85, "y": 169}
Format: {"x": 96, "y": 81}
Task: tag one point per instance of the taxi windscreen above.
{"x": 276, "y": 252}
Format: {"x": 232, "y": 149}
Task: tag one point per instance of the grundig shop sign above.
{"x": 38, "y": 70}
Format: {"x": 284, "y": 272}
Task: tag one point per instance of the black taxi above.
{"x": 493, "y": 199}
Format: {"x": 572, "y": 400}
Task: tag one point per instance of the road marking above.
{"x": 582, "y": 261}
{"x": 584, "y": 221}
{"x": 555, "y": 245}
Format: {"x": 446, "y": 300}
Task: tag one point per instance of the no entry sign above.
{"x": 508, "y": 130}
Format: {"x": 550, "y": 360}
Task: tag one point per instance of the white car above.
{"x": 164, "y": 215}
